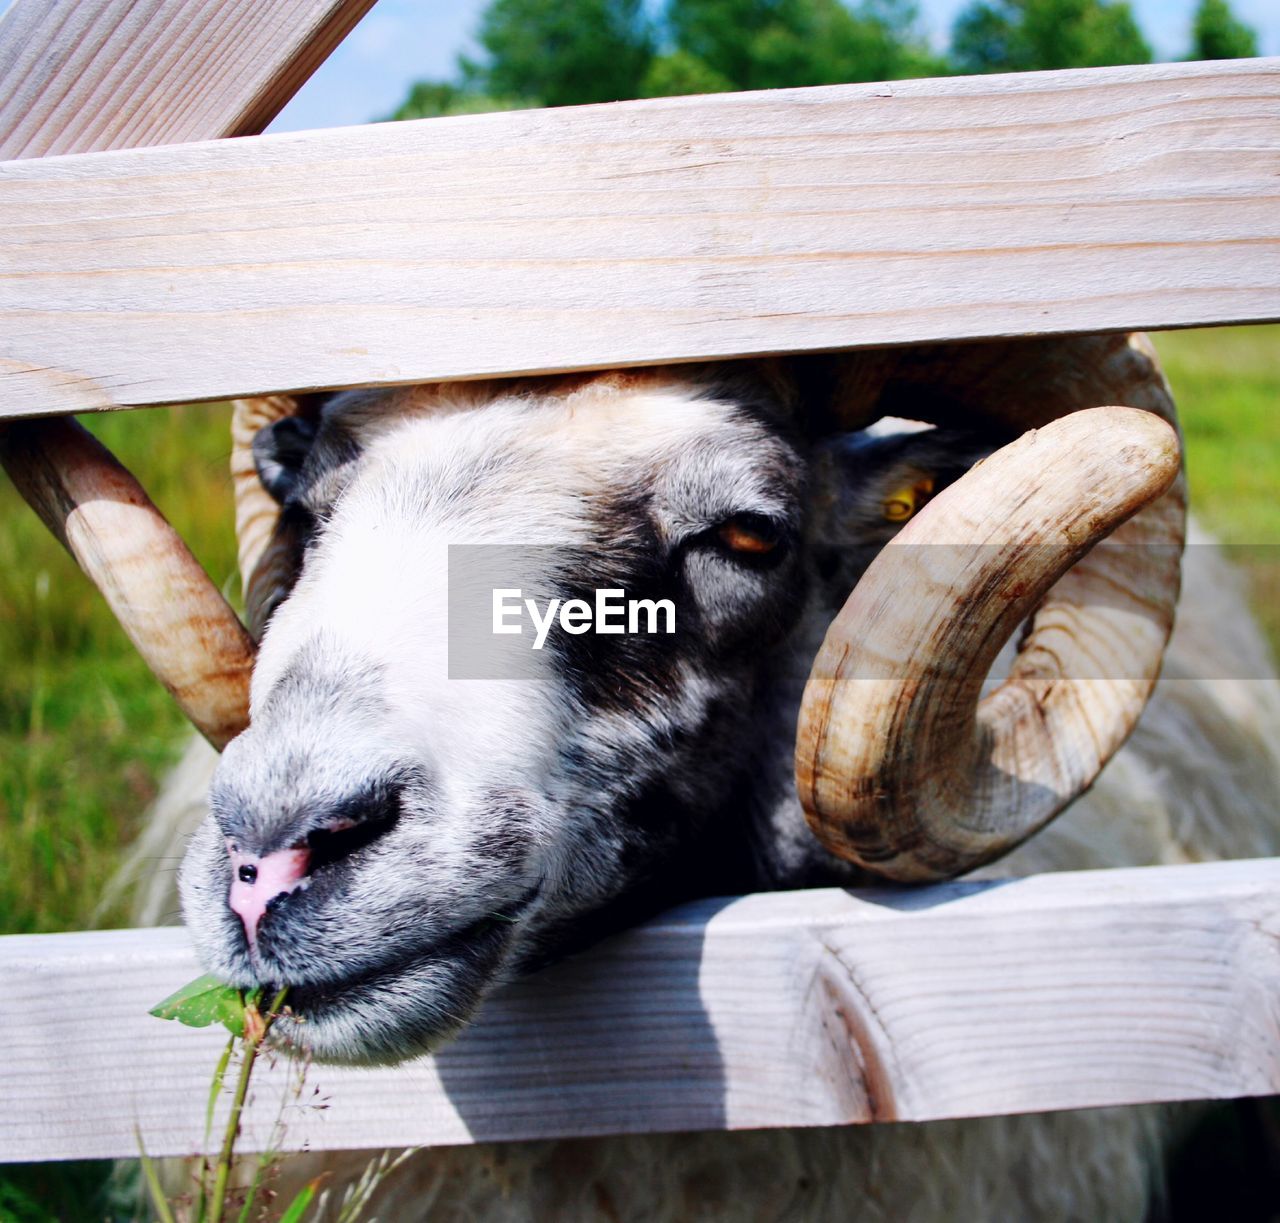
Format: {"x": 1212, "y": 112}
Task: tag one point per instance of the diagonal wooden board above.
{"x": 106, "y": 74}
{"x": 672, "y": 229}
{"x": 800, "y": 1008}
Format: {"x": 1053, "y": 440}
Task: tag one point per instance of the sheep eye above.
{"x": 902, "y": 503}
{"x": 750, "y": 534}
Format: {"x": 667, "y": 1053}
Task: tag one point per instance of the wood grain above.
{"x": 107, "y": 74}
{"x": 184, "y": 629}
{"x": 639, "y": 232}
{"x": 800, "y": 1008}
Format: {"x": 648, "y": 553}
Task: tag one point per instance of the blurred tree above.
{"x": 431, "y": 99}
{"x": 562, "y": 52}
{"x": 769, "y": 44}
{"x": 1022, "y": 35}
{"x": 1217, "y": 34}
{"x": 678, "y": 73}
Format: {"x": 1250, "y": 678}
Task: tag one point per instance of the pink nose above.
{"x": 255, "y": 882}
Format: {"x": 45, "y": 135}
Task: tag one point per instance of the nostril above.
{"x": 343, "y": 838}
{"x": 261, "y": 882}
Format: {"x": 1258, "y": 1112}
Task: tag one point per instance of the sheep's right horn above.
{"x": 901, "y": 765}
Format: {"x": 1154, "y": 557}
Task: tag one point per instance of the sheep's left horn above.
{"x": 901, "y": 765}
{"x": 166, "y": 603}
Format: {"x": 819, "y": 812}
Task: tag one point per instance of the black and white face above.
{"x": 390, "y": 842}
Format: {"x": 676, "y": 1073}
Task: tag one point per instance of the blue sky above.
{"x": 400, "y": 41}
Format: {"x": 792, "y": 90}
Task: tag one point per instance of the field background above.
{"x": 86, "y": 733}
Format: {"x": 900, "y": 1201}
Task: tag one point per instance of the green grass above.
{"x": 1227, "y": 386}
{"x": 86, "y": 732}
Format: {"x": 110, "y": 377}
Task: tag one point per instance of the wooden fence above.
{"x": 791, "y": 1008}
{"x": 674, "y": 229}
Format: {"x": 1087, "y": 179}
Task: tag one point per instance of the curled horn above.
{"x": 901, "y": 764}
{"x": 173, "y": 613}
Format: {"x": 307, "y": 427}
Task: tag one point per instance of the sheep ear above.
{"x": 279, "y": 451}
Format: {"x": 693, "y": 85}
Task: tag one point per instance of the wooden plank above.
{"x": 110, "y": 74}
{"x": 803, "y": 1008}
{"x": 670, "y": 229}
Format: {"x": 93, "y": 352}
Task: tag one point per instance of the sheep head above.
{"x": 391, "y": 842}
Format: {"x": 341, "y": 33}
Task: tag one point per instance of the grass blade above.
{"x": 158, "y": 1199}
{"x": 293, "y": 1213}
{"x": 215, "y": 1090}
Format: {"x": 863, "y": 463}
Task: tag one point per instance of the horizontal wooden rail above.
{"x": 670, "y": 229}
{"x": 802, "y": 1008}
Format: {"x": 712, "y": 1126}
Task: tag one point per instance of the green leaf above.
{"x": 204, "y": 1001}
{"x": 300, "y": 1203}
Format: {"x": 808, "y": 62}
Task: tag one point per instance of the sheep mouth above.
{"x": 407, "y": 1006}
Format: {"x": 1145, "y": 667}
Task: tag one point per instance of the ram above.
{"x": 394, "y": 840}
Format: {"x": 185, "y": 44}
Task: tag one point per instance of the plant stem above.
{"x": 270, "y": 1155}
{"x": 251, "y": 1046}
{"x": 215, "y": 1090}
